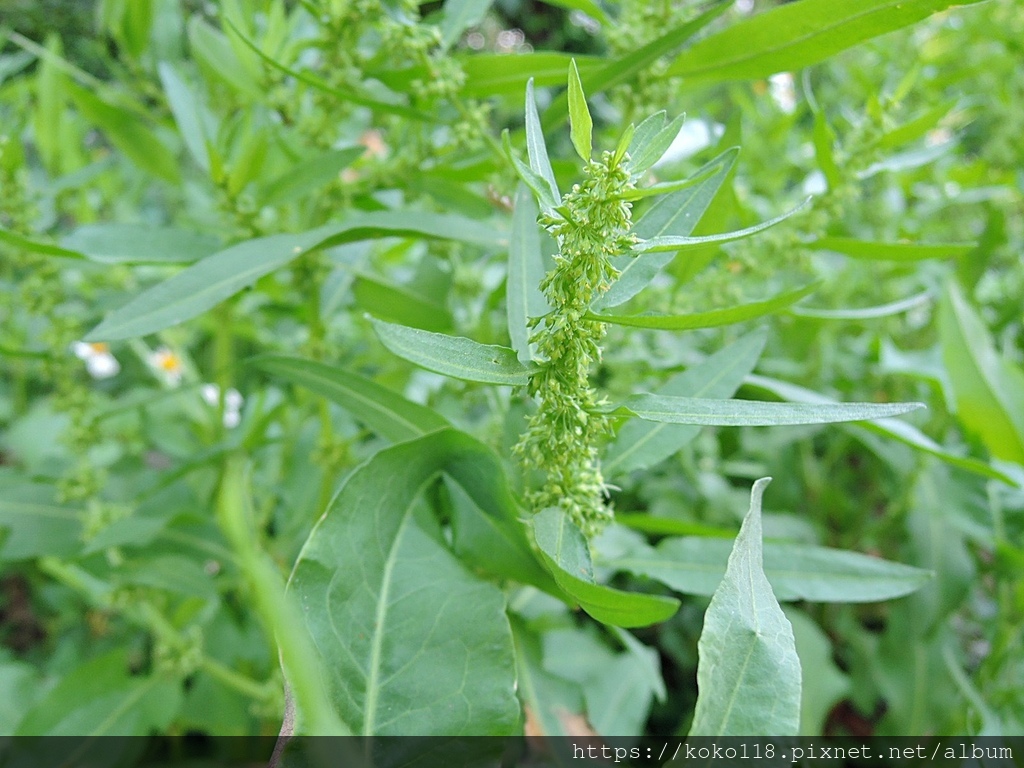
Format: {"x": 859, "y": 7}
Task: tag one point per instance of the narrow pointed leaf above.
{"x": 523, "y": 298}
{"x": 140, "y": 244}
{"x": 865, "y": 313}
{"x": 677, "y": 214}
{"x": 567, "y": 557}
{"x": 675, "y": 243}
{"x": 540, "y": 186}
{"x": 384, "y": 411}
{"x": 863, "y": 249}
{"x": 748, "y": 672}
{"x": 220, "y": 276}
{"x": 409, "y": 640}
{"x": 989, "y": 389}
{"x": 712, "y": 319}
{"x": 640, "y": 443}
{"x": 795, "y": 35}
{"x": 453, "y": 356}
{"x": 536, "y": 147}
{"x": 650, "y": 152}
{"x": 752, "y": 413}
{"x": 188, "y": 114}
{"x": 309, "y": 175}
{"x": 694, "y": 565}
{"x": 893, "y": 429}
{"x": 581, "y": 125}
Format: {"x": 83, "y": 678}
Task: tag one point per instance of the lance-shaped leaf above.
{"x": 894, "y": 429}
{"x": 645, "y": 153}
{"x": 640, "y": 443}
{"x": 795, "y": 35}
{"x": 712, "y": 319}
{"x": 195, "y": 123}
{"x": 309, "y": 175}
{"x": 523, "y": 297}
{"x": 871, "y": 251}
{"x": 865, "y": 313}
{"x": 208, "y": 282}
{"x": 409, "y": 640}
{"x": 581, "y": 125}
{"x": 139, "y": 244}
{"x": 748, "y": 672}
{"x": 676, "y": 243}
{"x": 988, "y": 388}
{"x": 539, "y": 185}
{"x": 752, "y": 413}
{"x": 454, "y": 356}
{"x": 384, "y": 411}
{"x": 695, "y": 564}
{"x": 567, "y": 557}
{"x": 677, "y": 214}
{"x": 536, "y": 147}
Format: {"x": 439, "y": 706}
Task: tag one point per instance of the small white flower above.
{"x": 168, "y": 365}
{"x": 233, "y": 402}
{"x": 99, "y": 362}
{"x": 783, "y": 91}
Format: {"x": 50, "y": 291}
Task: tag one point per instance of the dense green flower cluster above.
{"x": 591, "y": 227}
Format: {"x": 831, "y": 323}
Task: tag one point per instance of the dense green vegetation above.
{"x": 425, "y": 360}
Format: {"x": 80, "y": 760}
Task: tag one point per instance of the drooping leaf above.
{"x": 567, "y": 557}
{"x": 712, "y": 319}
{"x": 748, "y": 672}
{"x": 523, "y": 297}
{"x": 753, "y": 413}
{"x": 408, "y": 639}
{"x": 581, "y": 125}
{"x": 386, "y": 412}
{"x": 454, "y": 356}
{"x": 640, "y": 443}
{"x": 215, "y": 278}
{"x": 695, "y": 564}
{"x": 795, "y": 35}
{"x": 989, "y": 389}
{"x": 863, "y": 249}
{"x": 677, "y": 213}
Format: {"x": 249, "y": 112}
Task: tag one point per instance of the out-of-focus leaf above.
{"x": 864, "y": 313}
{"x": 458, "y": 16}
{"x": 748, "y": 673}
{"x": 194, "y": 123}
{"x": 309, "y": 175}
{"x": 863, "y": 249}
{"x": 140, "y": 244}
{"x": 398, "y": 304}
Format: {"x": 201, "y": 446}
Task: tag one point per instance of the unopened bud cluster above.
{"x": 591, "y": 227}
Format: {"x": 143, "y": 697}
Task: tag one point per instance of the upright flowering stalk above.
{"x": 591, "y": 226}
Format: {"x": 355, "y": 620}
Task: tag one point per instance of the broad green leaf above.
{"x": 752, "y": 413}
{"x": 215, "y": 278}
{"x": 712, "y": 319}
{"x": 492, "y": 544}
{"x": 128, "y": 133}
{"x": 194, "y": 123}
{"x": 398, "y": 304}
{"x": 454, "y": 356}
{"x": 567, "y": 557}
{"x": 748, "y": 672}
{"x": 140, "y": 244}
{"x": 102, "y": 698}
{"x": 988, "y": 388}
{"x": 794, "y": 36}
{"x": 33, "y": 524}
{"x": 625, "y": 68}
{"x": 677, "y": 214}
{"x": 309, "y": 175}
{"x": 864, "y": 313}
{"x": 640, "y": 443}
{"x": 894, "y": 429}
{"x": 536, "y": 147}
{"x": 694, "y": 565}
{"x": 581, "y": 125}
{"x": 458, "y": 16}
{"x": 523, "y": 297}
{"x": 676, "y": 243}
{"x": 385, "y": 412}
{"x": 863, "y": 249}
{"x": 408, "y": 639}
